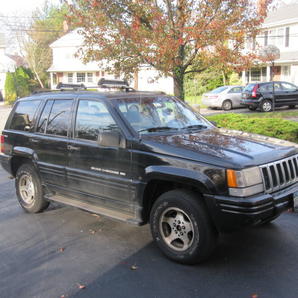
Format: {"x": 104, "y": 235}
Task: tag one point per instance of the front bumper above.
{"x": 229, "y": 213}
{"x": 5, "y": 161}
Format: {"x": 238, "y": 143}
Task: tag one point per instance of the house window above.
{"x": 280, "y": 37}
{"x": 272, "y": 37}
{"x": 266, "y": 38}
{"x": 255, "y": 74}
{"x": 70, "y": 77}
{"x": 81, "y": 77}
{"x": 90, "y": 77}
{"x": 286, "y": 71}
{"x": 287, "y": 39}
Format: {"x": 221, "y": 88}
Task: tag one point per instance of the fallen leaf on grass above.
{"x": 80, "y": 286}
{"x": 95, "y": 215}
{"x": 134, "y": 267}
{"x": 92, "y": 231}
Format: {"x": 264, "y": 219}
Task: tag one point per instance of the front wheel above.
{"x": 29, "y": 189}
{"x": 181, "y": 227}
{"x": 266, "y": 105}
{"x": 292, "y": 106}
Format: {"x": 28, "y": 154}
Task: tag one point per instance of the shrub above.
{"x": 9, "y": 87}
{"x": 272, "y": 127}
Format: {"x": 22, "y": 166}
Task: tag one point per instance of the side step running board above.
{"x": 93, "y": 208}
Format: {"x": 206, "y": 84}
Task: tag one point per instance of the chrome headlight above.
{"x": 245, "y": 183}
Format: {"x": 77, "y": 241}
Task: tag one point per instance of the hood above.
{"x": 225, "y": 148}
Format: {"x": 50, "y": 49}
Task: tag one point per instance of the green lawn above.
{"x": 282, "y": 114}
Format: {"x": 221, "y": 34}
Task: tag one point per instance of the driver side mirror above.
{"x": 111, "y": 139}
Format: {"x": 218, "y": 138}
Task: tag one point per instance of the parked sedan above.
{"x": 225, "y": 97}
{"x": 260, "y": 95}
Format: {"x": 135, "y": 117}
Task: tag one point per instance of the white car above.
{"x": 224, "y": 97}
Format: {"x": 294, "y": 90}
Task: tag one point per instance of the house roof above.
{"x": 71, "y": 39}
{"x": 283, "y": 15}
{"x": 288, "y": 57}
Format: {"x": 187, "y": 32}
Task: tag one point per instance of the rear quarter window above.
{"x": 249, "y": 87}
{"x": 23, "y": 117}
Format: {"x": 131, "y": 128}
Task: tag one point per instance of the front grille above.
{"x": 280, "y": 174}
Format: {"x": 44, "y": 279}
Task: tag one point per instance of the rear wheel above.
{"x": 227, "y": 105}
{"x": 266, "y": 105}
{"x": 292, "y": 106}
{"x": 181, "y": 227}
{"x": 29, "y": 189}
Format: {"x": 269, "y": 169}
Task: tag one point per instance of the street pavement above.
{"x": 66, "y": 252}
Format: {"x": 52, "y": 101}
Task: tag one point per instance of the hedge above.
{"x": 272, "y": 127}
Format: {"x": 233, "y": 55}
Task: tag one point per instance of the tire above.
{"x": 29, "y": 189}
{"x": 227, "y": 105}
{"x": 251, "y": 108}
{"x": 266, "y": 105}
{"x": 292, "y": 106}
{"x": 182, "y": 211}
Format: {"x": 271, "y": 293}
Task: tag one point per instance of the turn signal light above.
{"x": 232, "y": 178}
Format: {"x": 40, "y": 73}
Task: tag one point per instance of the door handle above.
{"x": 73, "y": 148}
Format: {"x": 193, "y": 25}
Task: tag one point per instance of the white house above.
{"x": 68, "y": 68}
{"x": 6, "y": 64}
{"x": 280, "y": 29}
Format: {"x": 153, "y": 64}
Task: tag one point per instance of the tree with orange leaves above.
{"x": 176, "y": 37}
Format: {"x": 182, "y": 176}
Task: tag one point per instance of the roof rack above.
{"x": 114, "y": 84}
{"x": 63, "y": 86}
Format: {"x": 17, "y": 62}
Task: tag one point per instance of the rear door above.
{"x": 99, "y": 174}
{"x": 50, "y": 142}
{"x": 234, "y": 95}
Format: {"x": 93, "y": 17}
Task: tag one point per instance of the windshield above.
{"x": 219, "y": 89}
{"x": 160, "y": 113}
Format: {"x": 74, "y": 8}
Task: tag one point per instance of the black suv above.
{"x": 260, "y": 95}
{"x": 146, "y": 157}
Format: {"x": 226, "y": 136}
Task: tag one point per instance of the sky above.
{"x": 22, "y": 7}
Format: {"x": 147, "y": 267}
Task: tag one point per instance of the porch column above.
{"x": 52, "y": 80}
{"x": 243, "y": 77}
{"x": 268, "y": 69}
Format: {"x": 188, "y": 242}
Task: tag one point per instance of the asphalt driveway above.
{"x": 59, "y": 252}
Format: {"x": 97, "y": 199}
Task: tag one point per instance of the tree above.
{"x": 46, "y": 28}
{"x": 176, "y": 37}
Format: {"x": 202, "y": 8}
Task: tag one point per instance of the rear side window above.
{"x": 236, "y": 90}
{"x": 23, "y": 117}
{"x": 219, "y": 89}
{"x": 55, "y": 118}
{"x": 249, "y": 87}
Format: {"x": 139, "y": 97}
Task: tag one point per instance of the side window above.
{"x": 44, "y": 117}
{"x": 59, "y": 119}
{"x": 236, "y": 90}
{"x": 288, "y": 87}
{"x": 92, "y": 118}
{"x": 23, "y": 115}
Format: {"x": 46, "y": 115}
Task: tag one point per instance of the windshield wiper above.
{"x": 157, "y": 128}
{"x": 196, "y": 126}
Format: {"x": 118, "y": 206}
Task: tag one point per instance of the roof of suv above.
{"x": 63, "y": 94}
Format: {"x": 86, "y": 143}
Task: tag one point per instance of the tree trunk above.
{"x": 179, "y": 85}
{"x": 224, "y": 79}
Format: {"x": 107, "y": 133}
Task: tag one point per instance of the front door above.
{"x": 290, "y": 93}
{"x": 98, "y": 173}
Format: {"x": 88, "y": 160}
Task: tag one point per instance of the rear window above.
{"x": 23, "y": 118}
{"x": 219, "y": 89}
{"x": 249, "y": 87}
